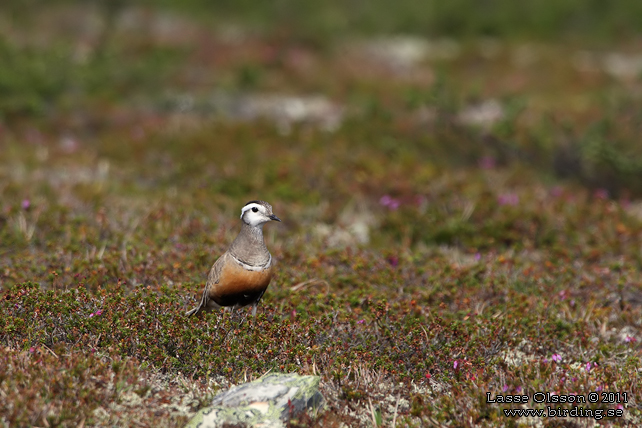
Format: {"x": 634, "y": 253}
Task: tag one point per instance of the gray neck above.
{"x": 249, "y": 246}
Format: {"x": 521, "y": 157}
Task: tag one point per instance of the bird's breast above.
{"x": 237, "y": 284}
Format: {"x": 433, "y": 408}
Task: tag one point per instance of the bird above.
{"x": 242, "y": 274}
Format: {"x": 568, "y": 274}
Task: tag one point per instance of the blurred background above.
{"x": 353, "y": 114}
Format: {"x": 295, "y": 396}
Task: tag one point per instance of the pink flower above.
{"x": 601, "y": 194}
{"x": 588, "y": 367}
{"x": 361, "y": 321}
{"x": 557, "y": 358}
{"x": 630, "y": 339}
{"x": 455, "y": 364}
{"x": 32, "y": 349}
{"x": 487, "y": 162}
{"x": 389, "y": 202}
{"x": 508, "y": 199}
{"x": 26, "y": 203}
{"x": 505, "y": 388}
{"x": 556, "y": 191}
{"x": 97, "y": 313}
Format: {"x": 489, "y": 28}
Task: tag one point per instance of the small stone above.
{"x": 267, "y": 402}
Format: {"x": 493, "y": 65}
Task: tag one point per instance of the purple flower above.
{"x": 508, "y": 199}
{"x": 32, "y": 349}
{"x": 361, "y": 321}
{"x": 557, "y": 358}
{"x": 389, "y": 202}
{"x": 518, "y": 389}
{"x": 487, "y": 162}
{"x": 477, "y": 256}
{"x": 588, "y": 366}
{"x": 630, "y": 339}
{"x": 393, "y": 260}
{"x": 97, "y": 313}
{"x": 26, "y": 203}
{"x": 505, "y": 388}
{"x": 455, "y": 364}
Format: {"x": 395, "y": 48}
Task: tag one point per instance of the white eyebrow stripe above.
{"x": 249, "y": 207}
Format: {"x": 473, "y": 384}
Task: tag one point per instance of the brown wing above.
{"x": 215, "y": 273}
{"x": 214, "y": 277}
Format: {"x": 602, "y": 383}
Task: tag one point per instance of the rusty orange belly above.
{"x": 238, "y": 286}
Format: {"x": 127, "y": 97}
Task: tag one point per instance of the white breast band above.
{"x": 253, "y": 268}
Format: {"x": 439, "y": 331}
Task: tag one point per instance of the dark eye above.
{"x": 255, "y": 209}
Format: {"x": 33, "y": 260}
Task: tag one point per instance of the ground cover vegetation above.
{"x": 459, "y": 194}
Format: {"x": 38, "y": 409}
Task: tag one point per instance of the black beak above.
{"x": 273, "y": 217}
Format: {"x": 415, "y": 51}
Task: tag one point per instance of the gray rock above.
{"x": 266, "y": 402}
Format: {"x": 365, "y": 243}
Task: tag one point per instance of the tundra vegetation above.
{"x": 459, "y": 189}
